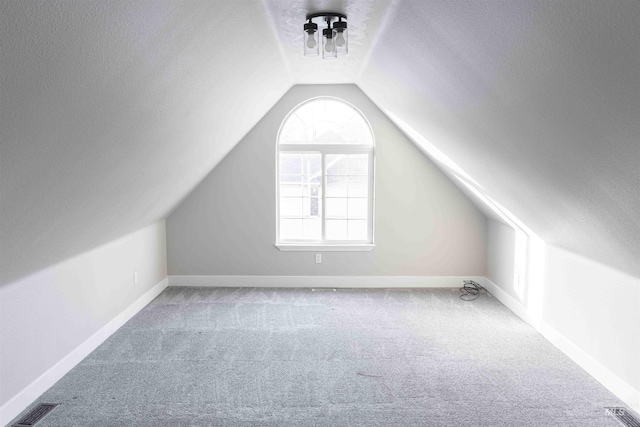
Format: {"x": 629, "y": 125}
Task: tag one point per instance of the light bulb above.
{"x": 311, "y": 41}
{"x": 329, "y": 45}
{"x": 340, "y": 41}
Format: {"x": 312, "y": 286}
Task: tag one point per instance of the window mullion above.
{"x": 335, "y": 148}
{"x": 371, "y": 200}
{"x": 322, "y": 165}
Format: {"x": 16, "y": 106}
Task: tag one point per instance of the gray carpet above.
{"x": 297, "y": 357}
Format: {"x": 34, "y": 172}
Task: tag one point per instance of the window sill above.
{"x": 290, "y": 247}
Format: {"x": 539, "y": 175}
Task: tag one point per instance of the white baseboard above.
{"x": 322, "y": 281}
{"x": 624, "y": 391}
{"x": 29, "y": 394}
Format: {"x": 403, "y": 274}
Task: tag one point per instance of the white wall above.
{"x": 424, "y": 226}
{"x": 48, "y": 314}
{"x": 501, "y": 242}
{"x": 589, "y": 310}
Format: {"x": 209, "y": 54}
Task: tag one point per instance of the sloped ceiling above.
{"x": 112, "y": 111}
{"x": 538, "y": 101}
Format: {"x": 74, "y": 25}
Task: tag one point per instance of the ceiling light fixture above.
{"x": 335, "y": 40}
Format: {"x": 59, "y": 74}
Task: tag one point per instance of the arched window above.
{"x": 325, "y": 178}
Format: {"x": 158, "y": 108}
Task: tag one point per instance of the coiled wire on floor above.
{"x": 470, "y": 290}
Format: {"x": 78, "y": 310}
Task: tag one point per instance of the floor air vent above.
{"x": 38, "y": 413}
{"x": 622, "y": 415}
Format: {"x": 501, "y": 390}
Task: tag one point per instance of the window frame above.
{"x": 324, "y": 150}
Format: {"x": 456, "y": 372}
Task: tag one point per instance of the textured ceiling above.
{"x": 365, "y": 18}
{"x": 112, "y": 111}
{"x": 537, "y": 101}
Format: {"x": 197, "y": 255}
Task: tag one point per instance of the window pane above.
{"x": 310, "y": 207}
{"x": 310, "y": 190}
{"x": 357, "y": 230}
{"x": 312, "y": 164}
{"x": 290, "y": 189}
{"x": 336, "y": 229}
{"x": 290, "y": 229}
{"x": 358, "y": 208}
{"x": 336, "y": 186}
{"x": 294, "y": 131}
{"x": 357, "y": 131}
{"x": 326, "y": 121}
{"x": 339, "y": 112}
{"x": 316, "y": 180}
{"x": 290, "y": 164}
{"x": 336, "y": 207}
{"x": 304, "y": 113}
{"x": 311, "y": 229}
{"x": 337, "y": 164}
{"x": 358, "y": 164}
{"x": 291, "y": 207}
{"x": 328, "y": 133}
{"x": 358, "y": 186}
{"x": 291, "y": 179}
{"x": 316, "y": 207}
{"x": 318, "y": 110}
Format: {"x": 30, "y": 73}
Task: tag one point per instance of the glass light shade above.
{"x": 341, "y": 38}
{"x": 328, "y": 44}
{"x": 310, "y": 39}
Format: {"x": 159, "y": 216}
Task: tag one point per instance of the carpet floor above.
{"x": 302, "y": 357}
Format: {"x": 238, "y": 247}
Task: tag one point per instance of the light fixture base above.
{"x": 326, "y": 14}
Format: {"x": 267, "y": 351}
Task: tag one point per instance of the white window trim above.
{"x": 323, "y": 150}
{"x": 351, "y": 247}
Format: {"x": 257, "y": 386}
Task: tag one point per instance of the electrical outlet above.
{"x": 318, "y": 258}
{"x": 135, "y": 278}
